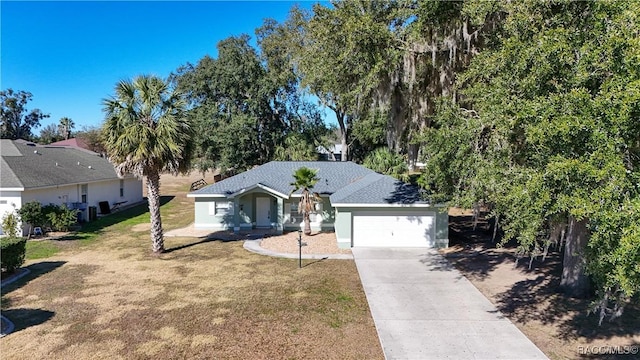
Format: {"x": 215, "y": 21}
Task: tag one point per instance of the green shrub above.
{"x": 12, "y": 251}
{"x": 31, "y": 213}
{"x": 62, "y": 217}
{"x": 47, "y": 211}
{"x": 11, "y": 224}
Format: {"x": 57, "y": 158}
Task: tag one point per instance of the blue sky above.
{"x": 70, "y": 55}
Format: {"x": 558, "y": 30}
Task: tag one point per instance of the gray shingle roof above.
{"x": 278, "y": 175}
{"x": 42, "y": 166}
{"x": 378, "y": 189}
{"x": 346, "y": 182}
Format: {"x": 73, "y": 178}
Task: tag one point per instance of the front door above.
{"x": 263, "y": 212}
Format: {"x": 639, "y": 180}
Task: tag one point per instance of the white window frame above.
{"x": 220, "y": 208}
{"x": 294, "y": 216}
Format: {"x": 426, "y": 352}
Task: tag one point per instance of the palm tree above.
{"x": 145, "y": 134}
{"x": 384, "y": 161}
{"x": 65, "y": 126}
{"x": 305, "y": 179}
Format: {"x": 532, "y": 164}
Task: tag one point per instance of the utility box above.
{"x": 93, "y": 213}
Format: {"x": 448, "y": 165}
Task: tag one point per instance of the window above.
{"x": 3, "y": 202}
{"x": 219, "y": 208}
{"x": 83, "y": 191}
{"x": 293, "y": 214}
{"x": 121, "y": 188}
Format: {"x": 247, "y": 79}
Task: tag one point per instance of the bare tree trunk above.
{"x": 495, "y": 228}
{"x": 153, "y": 194}
{"x": 476, "y": 215}
{"x": 574, "y": 281}
{"x": 345, "y": 147}
{"x": 307, "y": 224}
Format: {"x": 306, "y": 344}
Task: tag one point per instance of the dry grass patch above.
{"x": 209, "y": 300}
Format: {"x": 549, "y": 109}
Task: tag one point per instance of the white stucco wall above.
{"x": 9, "y": 201}
{"x": 108, "y": 190}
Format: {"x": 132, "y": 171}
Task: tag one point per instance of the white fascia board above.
{"x": 12, "y": 189}
{"x": 205, "y": 195}
{"x": 56, "y": 186}
{"x": 260, "y": 186}
{"x": 387, "y": 205}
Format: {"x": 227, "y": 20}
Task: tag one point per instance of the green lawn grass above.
{"x": 41, "y": 249}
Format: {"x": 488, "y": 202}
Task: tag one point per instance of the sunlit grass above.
{"x": 41, "y": 249}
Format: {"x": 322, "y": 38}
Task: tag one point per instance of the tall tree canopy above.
{"x": 16, "y": 121}
{"x": 552, "y": 142}
{"x": 146, "y": 133}
{"x": 244, "y": 103}
{"x": 338, "y": 53}
{"x": 49, "y": 134}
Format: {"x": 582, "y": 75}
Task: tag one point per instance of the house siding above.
{"x": 343, "y": 227}
{"x": 344, "y": 221}
{"x": 280, "y": 213}
{"x": 205, "y": 220}
{"x": 108, "y": 190}
{"x": 9, "y": 201}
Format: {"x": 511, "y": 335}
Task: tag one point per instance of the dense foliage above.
{"x": 547, "y": 136}
{"x": 245, "y": 106}
{"x": 12, "y": 251}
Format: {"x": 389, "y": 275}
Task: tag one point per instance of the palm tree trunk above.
{"x": 153, "y": 194}
{"x": 307, "y": 224}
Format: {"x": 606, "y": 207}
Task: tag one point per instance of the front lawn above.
{"x": 112, "y": 299}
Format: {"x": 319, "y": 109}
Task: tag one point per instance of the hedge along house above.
{"x": 363, "y": 207}
{"x": 73, "y": 177}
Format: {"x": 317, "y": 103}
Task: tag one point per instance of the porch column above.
{"x": 236, "y": 215}
{"x": 280, "y": 212}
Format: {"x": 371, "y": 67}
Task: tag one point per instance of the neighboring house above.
{"x": 73, "y": 142}
{"x": 60, "y": 175}
{"x": 332, "y": 154}
{"x": 363, "y": 207}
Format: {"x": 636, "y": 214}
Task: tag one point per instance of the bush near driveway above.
{"x": 12, "y": 251}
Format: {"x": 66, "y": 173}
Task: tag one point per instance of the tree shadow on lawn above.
{"x": 538, "y": 299}
{"x": 203, "y": 241}
{"x": 24, "y": 318}
{"x": 35, "y": 270}
{"x": 473, "y": 250}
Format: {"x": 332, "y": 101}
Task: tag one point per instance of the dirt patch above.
{"x": 558, "y": 325}
{"x": 141, "y": 227}
{"x": 316, "y": 243}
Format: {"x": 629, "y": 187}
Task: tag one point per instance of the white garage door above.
{"x": 394, "y": 230}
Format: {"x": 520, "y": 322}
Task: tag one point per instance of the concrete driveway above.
{"x": 424, "y": 308}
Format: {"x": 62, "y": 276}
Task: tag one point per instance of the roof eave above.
{"x": 259, "y": 186}
{"x": 202, "y": 195}
{"x": 12, "y": 189}
{"x": 386, "y": 205}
